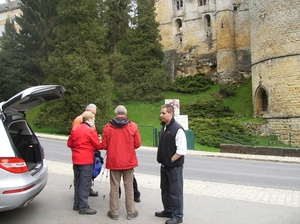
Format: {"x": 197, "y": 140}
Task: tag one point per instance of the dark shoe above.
{"x": 137, "y": 199}
{"x": 76, "y": 208}
{"x": 164, "y": 213}
{"x": 132, "y": 216}
{"x": 114, "y": 217}
{"x": 88, "y": 211}
{"x": 93, "y": 193}
{"x": 173, "y": 221}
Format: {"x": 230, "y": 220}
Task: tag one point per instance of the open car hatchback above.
{"x": 23, "y": 171}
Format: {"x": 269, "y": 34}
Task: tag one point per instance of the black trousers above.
{"x": 171, "y": 185}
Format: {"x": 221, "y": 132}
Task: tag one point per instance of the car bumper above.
{"x": 21, "y": 199}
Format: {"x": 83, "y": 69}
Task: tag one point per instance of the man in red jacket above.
{"x": 121, "y": 138}
{"x": 83, "y": 141}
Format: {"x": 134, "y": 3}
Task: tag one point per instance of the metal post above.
{"x": 155, "y": 137}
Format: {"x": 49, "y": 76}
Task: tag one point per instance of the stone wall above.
{"x": 275, "y": 52}
{"x": 259, "y": 150}
{"x": 212, "y": 38}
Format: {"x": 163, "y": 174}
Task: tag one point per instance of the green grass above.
{"x": 146, "y": 115}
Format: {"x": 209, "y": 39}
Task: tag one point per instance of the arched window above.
{"x": 207, "y": 19}
{"x": 178, "y": 25}
{"x": 261, "y": 101}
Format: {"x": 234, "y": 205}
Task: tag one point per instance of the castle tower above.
{"x": 226, "y": 54}
{"x": 275, "y": 58}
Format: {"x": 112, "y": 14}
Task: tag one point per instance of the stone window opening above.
{"x": 235, "y": 7}
{"x": 179, "y": 25}
{"x": 179, "y": 4}
{"x": 207, "y": 19}
{"x": 202, "y": 2}
{"x": 261, "y": 101}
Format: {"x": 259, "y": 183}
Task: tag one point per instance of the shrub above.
{"x": 209, "y": 131}
{"x": 191, "y": 84}
{"x": 227, "y": 90}
{"x": 207, "y": 109}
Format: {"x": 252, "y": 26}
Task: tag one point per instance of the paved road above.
{"x": 205, "y": 202}
{"x": 198, "y": 167}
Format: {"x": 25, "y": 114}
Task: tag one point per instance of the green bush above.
{"x": 227, "y": 90}
{"x": 207, "y": 109}
{"x": 192, "y": 84}
{"x": 209, "y": 131}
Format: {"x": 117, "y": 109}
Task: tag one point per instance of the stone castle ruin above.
{"x": 230, "y": 40}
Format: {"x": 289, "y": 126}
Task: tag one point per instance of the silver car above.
{"x": 23, "y": 171}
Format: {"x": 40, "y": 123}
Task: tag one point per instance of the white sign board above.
{"x": 183, "y": 120}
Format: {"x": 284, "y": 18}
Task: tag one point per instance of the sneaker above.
{"x": 132, "y": 216}
{"x": 113, "y": 217}
{"x": 76, "y": 208}
{"x": 88, "y": 211}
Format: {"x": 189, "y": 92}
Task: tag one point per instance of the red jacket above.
{"x": 83, "y": 141}
{"x": 120, "y": 138}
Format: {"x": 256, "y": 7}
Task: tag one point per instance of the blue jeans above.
{"x": 82, "y": 185}
{"x": 171, "y": 185}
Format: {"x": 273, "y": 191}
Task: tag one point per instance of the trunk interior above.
{"x": 26, "y": 143}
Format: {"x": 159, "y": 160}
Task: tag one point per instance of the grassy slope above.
{"x": 147, "y": 114}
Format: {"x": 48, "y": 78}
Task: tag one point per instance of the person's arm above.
{"x": 104, "y": 138}
{"x": 70, "y": 142}
{"x": 181, "y": 144}
{"x": 97, "y": 144}
{"x": 137, "y": 138}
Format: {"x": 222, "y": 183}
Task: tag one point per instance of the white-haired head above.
{"x": 120, "y": 110}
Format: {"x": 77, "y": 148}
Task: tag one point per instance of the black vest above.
{"x": 167, "y": 147}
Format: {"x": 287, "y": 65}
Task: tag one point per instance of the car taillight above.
{"x": 13, "y": 165}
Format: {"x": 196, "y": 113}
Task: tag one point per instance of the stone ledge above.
{"x": 259, "y": 150}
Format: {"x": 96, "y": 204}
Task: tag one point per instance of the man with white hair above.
{"x": 120, "y": 138}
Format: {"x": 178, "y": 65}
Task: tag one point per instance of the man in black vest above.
{"x": 170, "y": 154}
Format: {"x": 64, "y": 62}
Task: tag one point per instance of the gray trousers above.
{"x": 82, "y": 185}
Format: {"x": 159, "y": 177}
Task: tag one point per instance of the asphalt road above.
{"x": 233, "y": 171}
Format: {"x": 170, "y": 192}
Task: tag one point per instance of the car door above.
{"x": 32, "y": 97}
{"x": 23, "y": 141}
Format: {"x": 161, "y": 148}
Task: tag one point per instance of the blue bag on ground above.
{"x": 98, "y": 162}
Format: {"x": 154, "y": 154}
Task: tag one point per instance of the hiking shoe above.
{"x": 93, "y": 193}
{"x": 163, "y": 213}
{"x": 113, "y": 217}
{"x": 137, "y": 199}
{"x": 88, "y": 211}
{"x": 132, "y": 216}
{"x": 173, "y": 221}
